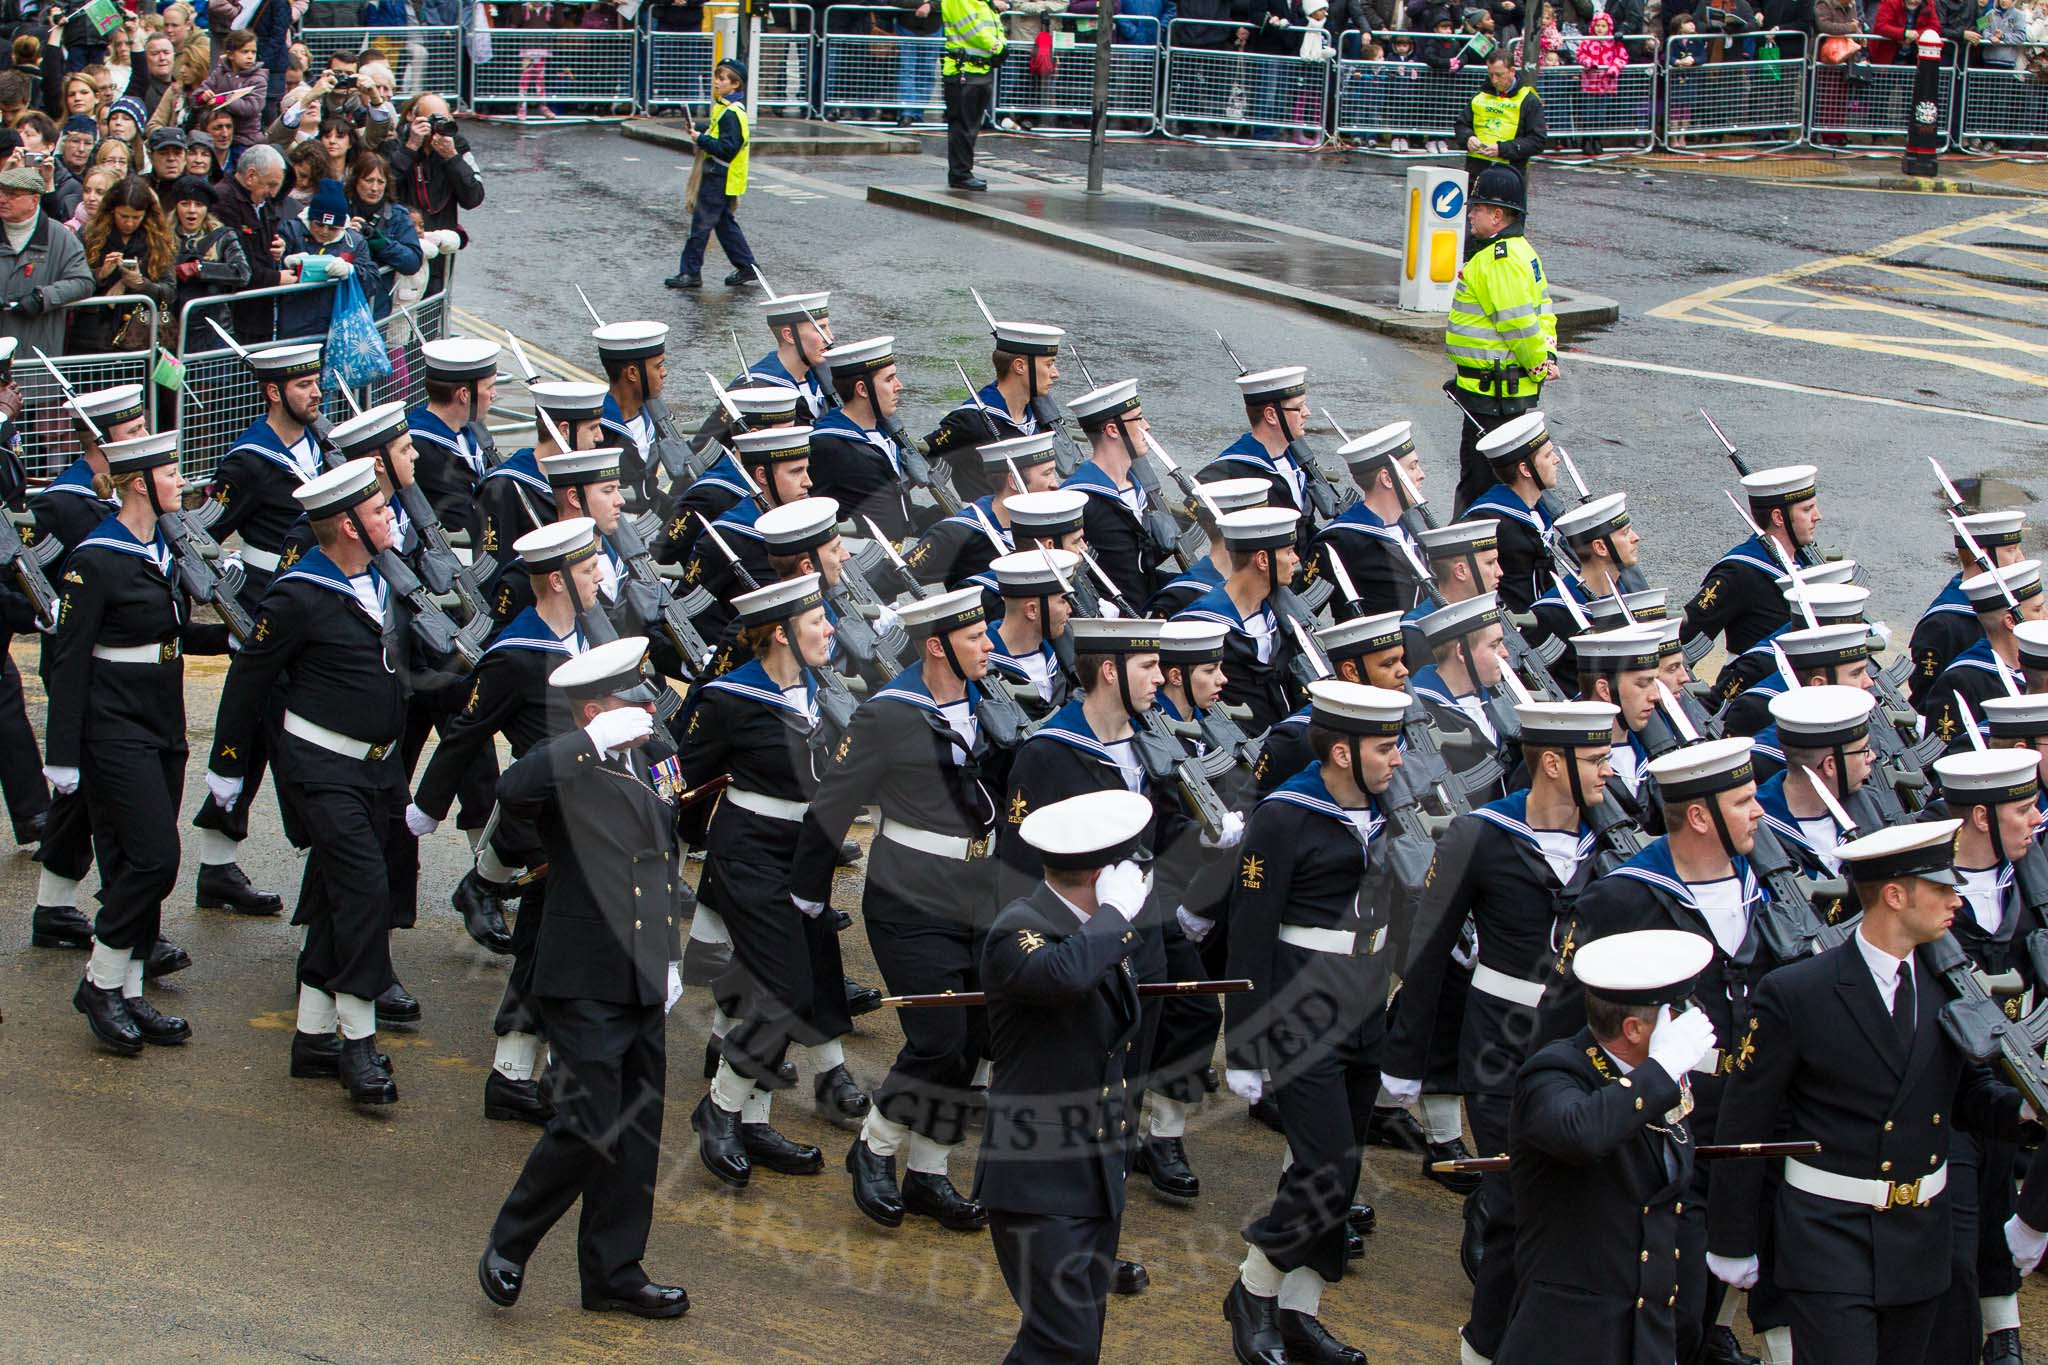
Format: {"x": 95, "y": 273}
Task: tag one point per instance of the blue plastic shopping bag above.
{"x": 355, "y": 346}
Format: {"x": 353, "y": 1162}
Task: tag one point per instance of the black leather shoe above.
{"x": 515, "y": 1101}
{"x": 317, "y": 1056}
{"x": 107, "y": 1013}
{"x": 972, "y": 182}
{"x": 719, "y": 1145}
{"x": 397, "y": 1006}
{"x": 786, "y": 1073}
{"x": 933, "y": 1196}
{"x": 483, "y": 912}
{"x": 501, "y": 1279}
{"x": 1354, "y": 1244}
{"x": 1128, "y": 1278}
{"x": 849, "y": 853}
{"x": 648, "y": 1301}
{"x": 224, "y": 886}
{"x": 1166, "y": 1161}
{"x": 1310, "y": 1343}
{"x": 1267, "y": 1111}
{"x": 157, "y": 1028}
{"x": 838, "y": 1100}
{"x": 771, "y": 1150}
{"x": 164, "y": 958}
{"x": 1254, "y": 1327}
{"x": 1393, "y": 1126}
{"x": 739, "y": 278}
{"x": 1719, "y": 1347}
{"x": 1457, "y": 1182}
{"x": 684, "y": 281}
{"x": 59, "y": 926}
{"x": 2003, "y": 1347}
{"x": 861, "y": 999}
{"x": 365, "y": 1073}
{"x": 875, "y": 1192}
{"x": 1211, "y": 1082}
{"x": 1361, "y": 1217}
{"x": 30, "y": 831}
{"x": 1472, "y": 1238}
{"x": 841, "y": 921}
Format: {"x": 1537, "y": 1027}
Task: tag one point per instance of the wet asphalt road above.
{"x": 199, "y": 1205}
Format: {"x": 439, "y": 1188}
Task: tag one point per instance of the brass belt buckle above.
{"x": 1905, "y": 1193}
{"x": 167, "y": 651}
{"x": 377, "y": 752}
{"x": 977, "y": 849}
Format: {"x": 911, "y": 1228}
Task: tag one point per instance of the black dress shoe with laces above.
{"x": 59, "y": 926}
{"x": 1267, "y": 1111}
{"x": 933, "y": 1196}
{"x": 648, "y": 1301}
{"x": 1254, "y": 1327}
{"x": 1393, "y": 1126}
{"x": 2003, "y": 1348}
{"x": 849, "y": 853}
{"x": 771, "y": 1150}
{"x": 483, "y": 912}
{"x": 1310, "y": 1343}
{"x": 224, "y": 886}
{"x": 366, "y": 1073}
{"x": 30, "y": 831}
{"x": 741, "y": 278}
{"x": 875, "y": 1192}
{"x": 1361, "y": 1217}
{"x": 107, "y": 1015}
{"x": 719, "y": 1145}
{"x": 684, "y": 282}
{"x": 1128, "y": 1278}
{"x": 501, "y": 1279}
{"x": 397, "y": 1006}
{"x": 164, "y": 958}
{"x": 1165, "y": 1160}
{"x": 1719, "y": 1347}
{"x": 157, "y": 1028}
{"x": 317, "y": 1056}
{"x": 861, "y": 999}
{"x": 515, "y": 1101}
{"x": 972, "y": 182}
{"x": 1457, "y": 1182}
{"x": 838, "y": 1100}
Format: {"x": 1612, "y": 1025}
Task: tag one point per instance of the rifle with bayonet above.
{"x": 1707, "y": 1151}
{"x": 835, "y": 702}
{"x": 1326, "y": 497}
{"x": 1810, "y": 556}
{"x": 1044, "y": 412}
{"x": 669, "y": 450}
{"x": 1164, "y": 534}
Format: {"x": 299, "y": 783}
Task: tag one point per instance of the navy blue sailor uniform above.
{"x": 635, "y": 440}
{"x": 1972, "y": 677}
{"x": 1180, "y": 592}
{"x": 769, "y": 370}
{"x": 864, "y": 470}
{"x": 1525, "y": 539}
{"x": 709, "y": 569}
{"x": 1947, "y": 628}
{"x": 449, "y": 466}
{"x": 1372, "y": 552}
{"x": 1739, "y": 598}
{"x": 1039, "y": 680}
{"x": 67, "y": 510}
{"x": 711, "y": 495}
{"x": 511, "y": 500}
{"x": 961, "y": 547}
{"x": 1811, "y": 843}
{"x": 1555, "y": 621}
{"x": 976, "y": 422}
{"x": 1248, "y": 458}
{"x": 1255, "y": 651}
{"x": 1112, "y": 520}
{"x": 1465, "y": 719}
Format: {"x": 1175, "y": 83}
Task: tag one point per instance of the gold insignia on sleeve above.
{"x": 1931, "y": 665}
{"x": 28, "y": 534}
{"x": 1709, "y": 595}
{"x": 220, "y": 495}
{"x": 490, "y": 535}
{"x": 1259, "y": 771}
{"x": 262, "y": 629}
{"x": 291, "y": 556}
{"x": 1429, "y": 879}
{"x": 1945, "y": 727}
{"x": 682, "y": 524}
{"x": 476, "y": 691}
{"x": 917, "y": 553}
{"x": 1030, "y": 940}
{"x": 845, "y": 748}
{"x": 695, "y": 717}
{"x": 227, "y": 751}
{"x": 1253, "y": 875}
{"x": 1311, "y": 569}
{"x": 1018, "y": 807}
{"x": 1745, "y": 1051}
{"x": 1570, "y": 946}
{"x": 692, "y": 570}
{"x": 1600, "y": 1064}
{"x": 71, "y": 576}
{"x": 504, "y": 601}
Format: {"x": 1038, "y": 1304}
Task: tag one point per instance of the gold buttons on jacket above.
{"x": 1639, "y": 1102}
{"x": 1887, "y": 1125}
{"x": 1884, "y": 1165}
{"x": 1646, "y": 1257}
{"x": 1937, "y": 1118}
{"x": 636, "y": 926}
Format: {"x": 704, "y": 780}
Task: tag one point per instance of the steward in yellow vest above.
{"x": 1504, "y": 123}
{"x": 722, "y": 181}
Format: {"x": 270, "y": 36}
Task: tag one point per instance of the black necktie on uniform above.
{"x": 1902, "y": 1005}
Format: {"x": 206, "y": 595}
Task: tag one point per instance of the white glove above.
{"x": 887, "y": 620}
{"x": 1246, "y": 1085}
{"x": 418, "y": 823}
{"x": 1108, "y": 610}
{"x": 1233, "y": 832}
{"x": 614, "y": 731}
{"x": 450, "y": 240}
{"x": 296, "y": 260}
{"x": 1193, "y": 925}
{"x": 675, "y": 986}
{"x": 811, "y": 909}
{"x": 1736, "y": 1274}
{"x": 65, "y": 780}
{"x": 226, "y": 790}
{"x": 2025, "y": 1244}
{"x": 1401, "y": 1090}
{"x": 340, "y": 268}
{"x": 1679, "y": 1044}
{"x": 1123, "y": 887}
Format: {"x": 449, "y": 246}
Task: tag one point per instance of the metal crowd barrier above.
{"x": 1062, "y": 104}
{"x": 1741, "y": 100}
{"x": 47, "y": 444}
{"x": 427, "y": 59}
{"x": 549, "y": 72}
{"x": 1401, "y": 98}
{"x": 1852, "y": 103}
{"x": 1241, "y": 98}
{"x": 1577, "y": 109}
{"x": 678, "y": 66}
{"x": 878, "y": 77}
{"x": 2006, "y": 104}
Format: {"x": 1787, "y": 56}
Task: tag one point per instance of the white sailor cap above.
{"x": 1124, "y": 635}
{"x": 1626, "y": 650}
{"x": 1826, "y": 646}
{"x": 943, "y": 613}
{"x": 369, "y": 430}
{"x": 1357, "y": 709}
{"x": 1034, "y": 573}
{"x": 791, "y": 308}
{"x": 1594, "y": 518}
{"x": 1377, "y": 448}
{"x": 2032, "y": 638}
{"x": 575, "y": 468}
{"x": 1712, "y": 765}
{"x": 2022, "y": 580}
{"x": 772, "y": 445}
{"x": 764, "y": 405}
{"x": 780, "y": 601}
{"x": 1097, "y": 408}
{"x": 1028, "y": 338}
{"x": 1833, "y": 571}
{"x": 1514, "y": 440}
{"x": 1184, "y": 644}
{"x": 1643, "y": 966}
{"x": 1668, "y": 629}
{"x": 569, "y": 400}
{"x": 1785, "y": 486}
{"x": 333, "y": 491}
{"x": 1269, "y": 386}
{"x": 1460, "y": 538}
{"x": 557, "y": 545}
{"x": 460, "y": 360}
{"x": 1258, "y": 528}
{"x": 1235, "y": 495}
{"x": 612, "y": 669}
{"x": 289, "y": 361}
{"x": 2016, "y": 717}
{"x": 870, "y": 356}
{"x": 791, "y": 528}
{"x": 1925, "y": 850}
{"x": 1821, "y": 717}
{"x": 147, "y": 452}
{"x": 1046, "y": 515}
{"x": 1021, "y": 451}
{"x": 108, "y": 407}
{"x": 8, "y": 345}
{"x": 1647, "y": 605}
{"x": 1087, "y": 831}
{"x": 1988, "y": 777}
{"x": 624, "y": 341}
{"x": 1460, "y": 619}
{"x": 1993, "y": 529}
{"x": 1567, "y": 724}
{"x": 1828, "y": 601}
{"x": 1361, "y": 635}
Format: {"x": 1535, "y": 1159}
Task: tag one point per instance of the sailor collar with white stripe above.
{"x": 1574, "y": 585}
{"x": 1248, "y": 449}
{"x": 524, "y": 468}
{"x": 77, "y": 478}
{"x": 1428, "y": 682}
{"x": 1505, "y": 501}
{"x": 1003, "y": 650}
{"x": 1653, "y": 867}
{"x": 1981, "y": 656}
{"x": 1511, "y": 813}
{"x": 1204, "y": 576}
{"x": 1950, "y": 600}
{"x": 1069, "y": 726}
{"x": 738, "y": 519}
{"x": 1308, "y": 790}
{"x": 991, "y": 402}
{"x": 1778, "y": 815}
{"x": 979, "y": 516}
{"x": 724, "y": 473}
{"x": 1755, "y": 554}
{"x": 1215, "y": 605}
{"x": 315, "y": 567}
{"x": 265, "y": 441}
{"x": 751, "y": 682}
{"x": 908, "y": 686}
{"x": 1368, "y": 522}
{"x": 838, "y": 423}
{"x": 112, "y": 534}
{"x": 1090, "y": 477}
{"x": 528, "y": 631}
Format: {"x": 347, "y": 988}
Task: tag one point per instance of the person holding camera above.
{"x": 129, "y": 247}
{"x": 42, "y": 265}
{"x": 433, "y": 174}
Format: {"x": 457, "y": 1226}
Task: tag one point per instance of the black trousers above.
{"x": 1188, "y": 1026}
{"x": 132, "y": 791}
{"x": 601, "y": 1146}
{"x": 927, "y": 1085}
{"x": 476, "y": 793}
{"x": 1058, "y": 1269}
{"x": 786, "y": 983}
{"x": 967, "y": 103}
{"x": 1980, "y": 1198}
{"x": 21, "y": 758}
{"x": 345, "y": 898}
{"x": 1842, "y": 1329}
{"x": 1483, "y": 412}
{"x": 67, "y": 836}
{"x": 1493, "y": 1291}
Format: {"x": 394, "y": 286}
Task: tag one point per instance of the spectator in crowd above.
{"x": 297, "y": 62}
{"x": 114, "y": 155}
{"x": 434, "y": 174}
{"x": 323, "y": 234}
{"x": 104, "y": 89}
{"x": 74, "y": 149}
{"x": 220, "y": 132}
{"x": 1029, "y": 22}
{"x": 28, "y": 61}
{"x": 1362, "y": 17}
{"x": 334, "y": 14}
{"x": 332, "y": 94}
{"x": 152, "y": 70}
{"x": 237, "y": 83}
{"x": 338, "y": 137}
{"x": 124, "y": 125}
{"x": 917, "y": 68}
{"x": 120, "y": 59}
{"x": 209, "y": 262}
{"x": 78, "y": 100}
{"x": 385, "y": 225}
{"x": 243, "y": 203}
{"x": 92, "y": 189}
{"x": 181, "y": 24}
{"x": 83, "y": 46}
{"x": 42, "y": 265}
{"x": 14, "y": 97}
{"x": 1684, "y": 54}
{"x": 166, "y": 159}
{"x": 1601, "y": 59}
{"x": 309, "y": 165}
{"x": 1893, "y": 20}
{"x": 377, "y": 116}
{"x": 1503, "y": 122}
{"x": 272, "y": 25}
{"x": 199, "y": 157}
{"x": 129, "y": 248}
{"x": 181, "y": 102}
{"x": 39, "y": 139}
